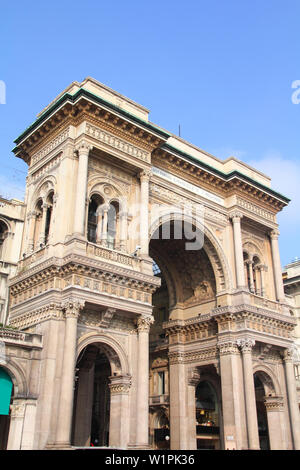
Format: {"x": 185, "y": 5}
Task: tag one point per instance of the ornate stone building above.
{"x": 11, "y": 229}
{"x": 148, "y": 304}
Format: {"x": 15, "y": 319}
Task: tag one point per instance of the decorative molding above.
{"x": 117, "y": 143}
{"x": 55, "y": 142}
{"x": 256, "y": 209}
{"x": 227, "y": 347}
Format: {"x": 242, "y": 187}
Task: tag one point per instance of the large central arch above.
{"x": 211, "y": 246}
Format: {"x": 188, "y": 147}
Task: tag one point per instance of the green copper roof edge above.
{"x": 226, "y": 176}
{"x": 73, "y": 98}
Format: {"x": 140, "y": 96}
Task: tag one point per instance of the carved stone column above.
{"x": 232, "y": 395}
{"x": 104, "y": 209}
{"x": 292, "y": 397}
{"x": 142, "y": 408}
{"x": 17, "y": 415}
{"x": 246, "y": 346}
{"x": 250, "y": 267}
{"x": 144, "y": 212}
{"x": 82, "y": 173}
{"x": 238, "y": 248}
{"x": 31, "y": 227}
{"x": 274, "y": 408}
{"x": 63, "y": 434}
{"x": 193, "y": 380}
{"x": 257, "y": 277}
{"x": 42, "y": 234}
{"x": 119, "y": 410}
{"x": 262, "y": 280}
{"x": 277, "y": 265}
{"x": 123, "y": 230}
{"x": 179, "y": 416}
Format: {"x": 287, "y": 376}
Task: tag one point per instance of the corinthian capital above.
{"x": 83, "y": 147}
{"x": 73, "y": 307}
{"x": 274, "y": 234}
{"x": 246, "y": 344}
{"x": 236, "y": 216}
{"x": 145, "y": 175}
{"x": 144, "y": 322}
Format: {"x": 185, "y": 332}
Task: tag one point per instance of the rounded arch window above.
{"x": 95, "y": 202}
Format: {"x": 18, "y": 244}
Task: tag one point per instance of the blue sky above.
{"x": 223, "y": 70}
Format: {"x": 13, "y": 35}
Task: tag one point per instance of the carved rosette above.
{"x": 227, "y": 347}
{"x": 246, "y": 344}
{"x": 144, "y": 322}
{"x": 120, "y": 384}
{"x": 73, "y": 308}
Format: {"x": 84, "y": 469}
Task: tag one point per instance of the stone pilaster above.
{"x": 292, "y": 396}
{"x": 144, "y": 212}
{"x": 119, "y": 410}
{"x": 238, "y": 248}
{"x": 179, "y": 415}
{"x": 246, "y": 345}
{"x": 83, "y": 150}
{"x": 72, "y": 310}
{"x": 142, "y": 409}
{"x": 275, "y": 408}
{"x": 277, "y": 265}
{"x": 232, "y": 391}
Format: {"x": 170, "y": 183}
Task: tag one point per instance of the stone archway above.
{"x": 269, "y": 407}
{"x": 101, "y": 399}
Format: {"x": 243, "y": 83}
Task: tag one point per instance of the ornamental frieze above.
{"x": 117, "y": 143}
{"x": 59, "y": 139}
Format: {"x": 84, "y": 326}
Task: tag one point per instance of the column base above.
{"x": 59, "y": 446}
{"x": 139, "y": 446}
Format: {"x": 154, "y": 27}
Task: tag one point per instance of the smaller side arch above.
{"x": 112, "y": 348}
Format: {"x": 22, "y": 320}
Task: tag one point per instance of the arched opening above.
{"x": 6, "y": 393}
{"x": 207, "y": 417}
{"x": 91, "y": 418}
{"x": 161, "y": 431}
{"x": 3, "y": 235}
{"x": 188, "y": 289}
{"x": 94, "y": 218}
{"x": 49, "y": 212}
{"x": 38, "y": 223}
{"x": 262, "y": 419}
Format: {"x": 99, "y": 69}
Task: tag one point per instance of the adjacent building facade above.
{"x": 291, "y": 283}
{"x": 148, "y": 307}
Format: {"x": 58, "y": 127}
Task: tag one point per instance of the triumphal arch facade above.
{"x": 148, "y": 307}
